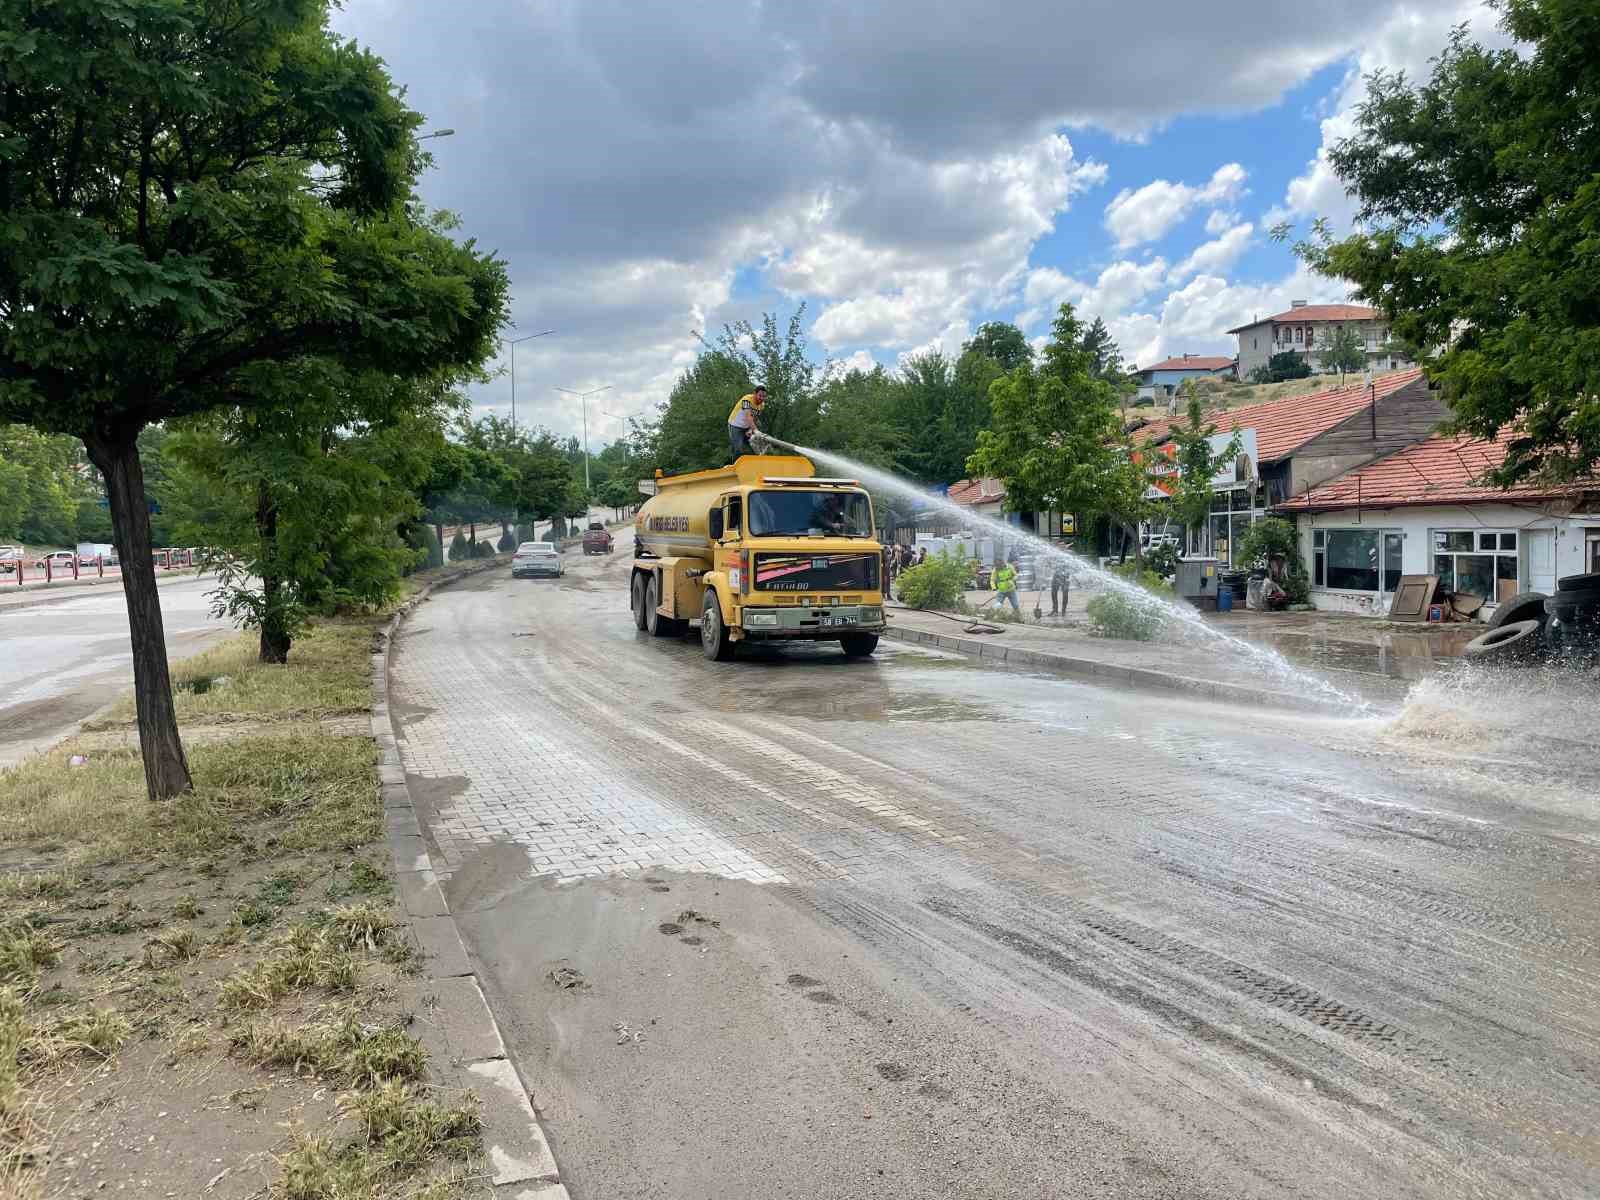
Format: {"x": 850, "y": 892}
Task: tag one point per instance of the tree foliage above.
{"x": 1343, "y": 351}
{"x": 1056, "y": 437}
{"x": 1286, "y": 364}
{"x": 1480, "y": 193}
{"x": 197, "y": 197}
{"x": 1196, "y": 464}
{"x": 1001, "y": 343}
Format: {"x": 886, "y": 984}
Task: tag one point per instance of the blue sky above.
{"x": 906, "y": 171}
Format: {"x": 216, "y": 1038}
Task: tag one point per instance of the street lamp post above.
{"x": 513, "y": 344}
{"x": 584, "y": 396}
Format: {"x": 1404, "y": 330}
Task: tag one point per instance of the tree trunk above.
{"x": 166, "y": 771}
{"x": 274, "y": 637}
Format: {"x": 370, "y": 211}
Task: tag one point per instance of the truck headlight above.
{"x": 754, "y": 619}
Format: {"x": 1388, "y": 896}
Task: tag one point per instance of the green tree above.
{"x": 1286, "y": 364}
{"x": 780, "y": 362}
{"x": 40, "y": 489}
{"x": 1103, "y": 351}
{"x": 690, "y": 432}
{"x": 1479, "y": 190}
{"x": 1055, "y": 437}
{"x": 1195, "y": 464}
{"x": 194, "y": 195}
{"x": 1002, "y": 342}
{"x": 1344, "y": 351}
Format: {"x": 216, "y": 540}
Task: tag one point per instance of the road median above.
{"x": 225, "y": 994}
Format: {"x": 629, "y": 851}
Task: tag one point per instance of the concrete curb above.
{"x": 521, "y": 1165}
{"x": 994, "y": 652}
{"x": 55, "y": 593}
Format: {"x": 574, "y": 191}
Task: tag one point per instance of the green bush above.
{"x": 1114, "y": 614}
{"x": 482, "y": 550}
{"x": 937, "y": 583}
{"x": 1276, "y": 537}
{"x": 1162, "y": 559}
{"x": 507, "y": 543}
{"x": 460, "y": 548}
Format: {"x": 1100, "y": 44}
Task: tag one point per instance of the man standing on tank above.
{"x": 742, "y": 422}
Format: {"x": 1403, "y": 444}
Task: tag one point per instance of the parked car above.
{"x": 596, "y": 539}
{"x": 10, "y": 556}
{"x": 57, "y": 560}
{"x": 536, "y": 558}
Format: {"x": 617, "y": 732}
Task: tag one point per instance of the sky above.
{"x": 906, "y": 169}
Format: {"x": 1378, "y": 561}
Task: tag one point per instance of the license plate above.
{"x": 821, "y": 564}
{"x": 831, "y": 621}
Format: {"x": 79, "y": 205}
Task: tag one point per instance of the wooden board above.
{"x": 1412, "y": 597}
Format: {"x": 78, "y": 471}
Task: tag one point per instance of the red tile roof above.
{"x": 1282, "y": 426}
{"x": 1316, "y": 312}
{"x": 1193, "y": 362}
{"x": 1441, "y": 470}
{"x": 976, "y": 491}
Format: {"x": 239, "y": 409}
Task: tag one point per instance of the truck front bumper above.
{"x": 819, "y": 623}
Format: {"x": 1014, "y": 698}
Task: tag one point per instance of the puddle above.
{"x": 1391, "y": 653}
{"x": 821, "y": 703}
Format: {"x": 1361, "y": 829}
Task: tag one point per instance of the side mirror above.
{"x": 716, "y": 524}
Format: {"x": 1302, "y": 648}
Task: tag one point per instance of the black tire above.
{"x": 636, "y": 594}
{"x": 1516, "y": 642}
{"x": 656, "y": 624}
{"x": 1580, "y": 583}
{"x": 1524, "y": 606}
{"x": 858, "y": 645}
{"x": 715, "y": 643}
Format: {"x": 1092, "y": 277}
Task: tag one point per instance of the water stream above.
{"x": 1277, "y": 672}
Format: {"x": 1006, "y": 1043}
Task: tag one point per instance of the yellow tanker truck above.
{"x": 761, "y": 550}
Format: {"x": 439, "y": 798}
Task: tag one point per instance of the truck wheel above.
{"x": 657, "y": 625}
{"x": 714, "y": 639}
{"x": 637, "y": 597}
{"x": 858, "y": 645}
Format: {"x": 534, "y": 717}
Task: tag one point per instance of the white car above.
{"x": 537, "y": 558}
{"x": 57, "y": 560}
{"x": 10, "y": 556}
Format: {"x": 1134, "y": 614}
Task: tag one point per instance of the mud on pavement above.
{"x": 693, "y": 1036}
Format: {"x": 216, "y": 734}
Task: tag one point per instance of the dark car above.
{"x": 597, "y": 539}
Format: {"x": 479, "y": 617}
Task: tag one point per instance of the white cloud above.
{"x": 1406, "y": 41}
{"x": 894, "y": 163}
{"x": 1151, "y": 212}
{"x": 1216, "y": 255}
{"x": 859, "y": 361}
{"x": 1117, "y": 288}
{"x": 1219, "y": 220}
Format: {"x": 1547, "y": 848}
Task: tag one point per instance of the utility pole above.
{"x": 584, "y": 396}
{"x": 513, "y": 344}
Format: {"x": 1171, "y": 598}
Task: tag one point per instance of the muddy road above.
{"x": 793, "y": 926}
{"x": 62, "y": 661}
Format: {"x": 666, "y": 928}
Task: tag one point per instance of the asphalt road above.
{"x": 61, "y": 661}
{"x": 792, "y": 926}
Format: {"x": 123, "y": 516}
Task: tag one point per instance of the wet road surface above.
{"x": 60, "y": 662}
{"x": 796, "y": 926}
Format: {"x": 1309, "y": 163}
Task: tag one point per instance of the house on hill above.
{"x": 1305, "y": 328}
{"x": 1423, "y": 510}
{"x": 1298, "y": 442}
{"x": 1160, "y": 381}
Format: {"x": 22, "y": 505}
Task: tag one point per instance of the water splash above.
{"x": 1282, "y": 674}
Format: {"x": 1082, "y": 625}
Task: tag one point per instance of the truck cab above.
{"x": 763, "y": 550}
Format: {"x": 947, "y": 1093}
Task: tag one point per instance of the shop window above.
{"x": 1356, "y": 560}
{"x": 1479, "y": 562}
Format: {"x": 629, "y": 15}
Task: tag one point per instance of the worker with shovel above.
{"x": 742, "y": 422}
{"x": 1005, "y": 586}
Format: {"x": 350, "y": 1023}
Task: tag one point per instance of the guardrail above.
{"x": 17, "y": 571}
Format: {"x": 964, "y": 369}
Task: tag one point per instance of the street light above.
{"x": 513, "y": 344}
{"x": 584, "y": 396}
{"x": 436, "y": 133}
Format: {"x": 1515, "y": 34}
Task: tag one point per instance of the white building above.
{"x": 1421, "y": 511}
{"x": 1306, "y": 328}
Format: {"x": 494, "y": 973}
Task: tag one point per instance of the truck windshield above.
{"x": 801, "y": 514}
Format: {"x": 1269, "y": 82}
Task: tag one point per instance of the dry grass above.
{"x": 321, "y": 791}
{"x": 114, "y": 938}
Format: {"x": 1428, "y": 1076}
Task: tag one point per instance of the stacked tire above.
{"x": 1573, "y": 618}
{"x": 1516, "y": 634}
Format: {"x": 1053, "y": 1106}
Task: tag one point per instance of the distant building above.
{"x": 1296, "y": 443}
{"x": 1160, "y": 381}
{"x": 1423, "y": 510}
{"x": 1305, "y": 329}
